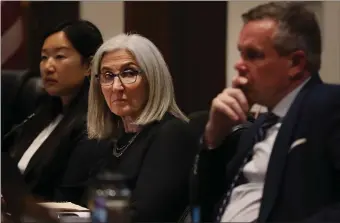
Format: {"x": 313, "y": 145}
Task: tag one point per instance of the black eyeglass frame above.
{"x": 138, "y": 72}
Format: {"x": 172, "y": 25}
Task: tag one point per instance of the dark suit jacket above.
{"x": 302, "y": 183}
{"x": 45, "y": 169}
{"x": 157, "y": 166}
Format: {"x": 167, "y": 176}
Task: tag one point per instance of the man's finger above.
{"x": 220, "y": 106}
{"x": 241, "y": 98}
{"x": 234, "y": 104}
{"x": 239, "y": 82}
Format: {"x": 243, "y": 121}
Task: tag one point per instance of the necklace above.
{"x": 118, "y": 151}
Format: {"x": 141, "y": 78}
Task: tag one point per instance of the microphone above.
{"x": 194, "y": 192}
{"x": 16, "y": 127}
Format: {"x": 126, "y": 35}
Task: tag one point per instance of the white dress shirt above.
{"x": 38, "y": 141}
{"x": 245, "y": 199}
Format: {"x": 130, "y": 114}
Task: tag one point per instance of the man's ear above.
{"x": 298, "y": 63}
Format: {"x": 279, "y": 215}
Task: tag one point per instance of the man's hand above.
{"x": 228, "y": 109}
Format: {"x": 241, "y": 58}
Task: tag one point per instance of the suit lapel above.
{"x": 279, "y": 153}
{"x": 48, "y": 149}
{"x": 30, "y": 131}
{"x": 45, "y": 150}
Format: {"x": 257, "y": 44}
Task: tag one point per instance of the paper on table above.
{"x": 63, "y": 206}
{"x": 80, "y": 214}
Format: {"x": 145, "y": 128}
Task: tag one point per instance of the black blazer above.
{"x": 302, "y": 183}
{"x": 157, "y": 166}
{"x": 45, "y": 169}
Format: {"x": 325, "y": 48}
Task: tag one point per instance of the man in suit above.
{"x": 287, "y": 164}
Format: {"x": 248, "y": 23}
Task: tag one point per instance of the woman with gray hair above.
{"x": 132, "y": 103}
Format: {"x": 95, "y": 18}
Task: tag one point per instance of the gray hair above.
{"x": 297, "y": 29}
{"x": 101, "y": 123}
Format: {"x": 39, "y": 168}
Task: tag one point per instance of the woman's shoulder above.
{"x": 173, "y": 140}
{"x": 171, "y": 123}
{"x": 171, "y": 128}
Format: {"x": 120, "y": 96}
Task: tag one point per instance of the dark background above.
{"x": 196, "y": 59}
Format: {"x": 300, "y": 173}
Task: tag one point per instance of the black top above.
{"x": 46, "y": 167}
{"x": 157, "y": 165}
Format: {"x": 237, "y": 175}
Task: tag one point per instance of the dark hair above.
{"x": 84, "y": 36}
{"x": 298, "y": 29}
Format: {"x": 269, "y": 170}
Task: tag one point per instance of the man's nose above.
{"x": 241, "y": 67}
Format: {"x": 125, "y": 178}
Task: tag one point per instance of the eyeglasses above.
{"x": 126, "y": 76}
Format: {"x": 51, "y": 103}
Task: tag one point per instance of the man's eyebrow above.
{"x": 250, "y": 47}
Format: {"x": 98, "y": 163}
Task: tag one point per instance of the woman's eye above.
{"x": 59, "y": 56}
{"x": 108, "y": 75}
{"x": 43, "y": 57}
{"x": 129, "y": 72}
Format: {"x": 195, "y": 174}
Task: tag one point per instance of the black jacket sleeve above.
{"x": 209, "y": 176}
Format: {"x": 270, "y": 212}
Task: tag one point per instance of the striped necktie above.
{"x": 270, "y": 119}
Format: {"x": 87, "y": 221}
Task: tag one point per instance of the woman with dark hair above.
{"x": 45, "y": 143}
